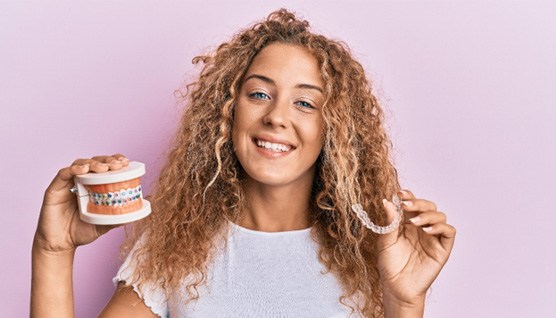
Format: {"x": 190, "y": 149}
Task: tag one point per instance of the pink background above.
{"x": 469, "y": 88}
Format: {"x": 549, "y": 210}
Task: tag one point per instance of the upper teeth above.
{"x": 273, "y": 146}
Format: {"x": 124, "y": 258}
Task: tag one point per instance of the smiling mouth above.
{"x": 274, "y": 147}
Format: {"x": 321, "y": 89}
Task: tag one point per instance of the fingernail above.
{"x": 103, "y": 164}
{"x": 123, "y": 159}
{"x": 384, "y": 202}
{"x": 407, "y": 203}
{"x": 415, "y": 220}
{"x": 403, "y": 192}
{"x": 84, "y": 166}
{"x": 427, "y": 229}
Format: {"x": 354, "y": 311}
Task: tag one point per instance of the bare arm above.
{"x": 393, "y": 308}
{"x": 51, "y": 286}
{"x": 59, "y": 233}
{"x": 52, "y": 290}
{"x": 126, "y": 303}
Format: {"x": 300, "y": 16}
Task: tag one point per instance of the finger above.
{"x": 406, "y": 194}
{"x": 446, "y": 232}
{"x": 408, "y": 215}
{"x": 428, "y": 218}
{"x": 81, "y": 161}
{"x": 114, "y": 162}
{"x": 94, "y": 164}
{"x": 64, "y": 177}
{"x": 103, "y": 159}
{"x": 123, "y": 159}
{"x": 97, "y": 166}
{"x": 418, "y": 205}
{"x": 120, "y": 157}
{"x": 108, "y": 159}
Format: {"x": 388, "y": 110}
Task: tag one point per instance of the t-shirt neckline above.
{"x": 263, "y": 233}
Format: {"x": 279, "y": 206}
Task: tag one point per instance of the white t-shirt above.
{"x": 258, "y": 274}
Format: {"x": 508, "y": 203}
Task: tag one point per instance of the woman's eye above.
{"x": 259, "y": 95}
{"x": 304, "y": 104}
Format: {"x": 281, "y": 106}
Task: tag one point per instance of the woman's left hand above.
{"x": 410, "y": 262}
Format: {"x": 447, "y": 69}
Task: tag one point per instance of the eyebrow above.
{"x": 271, "y": 81}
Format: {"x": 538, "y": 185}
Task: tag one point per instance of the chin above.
{"x": 274, "y": 177}
{"x": 269, "y": 179}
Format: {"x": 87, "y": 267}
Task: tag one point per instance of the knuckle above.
{"x": 432, "y": 217}
{"x": 78, "y": 161}
{"x": 98, "y": 158}
{"x": 63, "y": 172}
{"x": 111, "y": 160}
{"x": 442, "y": 215}
{"x": 48, "y": 192}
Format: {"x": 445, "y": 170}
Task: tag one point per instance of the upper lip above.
{"x": 274, "y": 139}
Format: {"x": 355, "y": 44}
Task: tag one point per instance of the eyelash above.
{"x": 307, "y": 104}
{"x": 254, "y": 95}
{"x": 257, "y": 95}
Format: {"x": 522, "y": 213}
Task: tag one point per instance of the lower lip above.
{"x": 272, "y": 154}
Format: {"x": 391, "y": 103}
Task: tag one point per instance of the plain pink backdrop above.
{"x": 469, "y": 92}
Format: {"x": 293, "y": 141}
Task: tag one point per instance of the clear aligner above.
{"x": 364, "y": 217}
{"x": 116, "y": 199}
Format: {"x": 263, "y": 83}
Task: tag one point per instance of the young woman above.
{"x": 252, "y": 213}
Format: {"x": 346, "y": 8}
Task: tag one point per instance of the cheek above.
{"x": 237, "y": 138}
{"x": 240, "y": 125}
{"x": 318, "y": 132}
{"x": 313, "y": 137}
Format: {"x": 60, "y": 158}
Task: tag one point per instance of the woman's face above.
{"x": 278, "y": 125}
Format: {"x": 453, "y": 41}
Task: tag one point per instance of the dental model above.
{"x": 364, "y": 217}
{"x": 112, "y": 197}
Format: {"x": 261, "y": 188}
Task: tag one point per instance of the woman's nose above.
{"x": 277, "y": 115}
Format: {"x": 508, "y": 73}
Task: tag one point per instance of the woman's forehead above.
{"x": 282, "y": 62}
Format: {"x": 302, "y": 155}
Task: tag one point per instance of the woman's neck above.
{"x": 276, "y": 208}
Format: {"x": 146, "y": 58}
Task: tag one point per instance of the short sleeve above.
{"x": 153, "y": 296}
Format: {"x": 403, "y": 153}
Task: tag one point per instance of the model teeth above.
{"x": 273, "y": 146}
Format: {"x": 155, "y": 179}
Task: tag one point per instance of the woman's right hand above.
{"x": 60, "y": 229}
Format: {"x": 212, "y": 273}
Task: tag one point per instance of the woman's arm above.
{"x": 52, "y": 290}
{"x": 126, "y": 303}
{"x": 59, "y": 232}
{"x": 51, "y": 286}
{"x": 409, "y": 263}
{"x": 394, "y": 308}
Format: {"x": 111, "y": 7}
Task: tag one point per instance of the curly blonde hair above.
{"x": 199, "y": 189}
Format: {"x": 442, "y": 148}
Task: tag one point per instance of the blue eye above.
{"x": 304, "y": 104}
{"x": 259, "y": 95}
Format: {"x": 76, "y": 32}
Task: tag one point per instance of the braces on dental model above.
{"x": 364, "y": 217}
{"x": 116, "y": 199}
